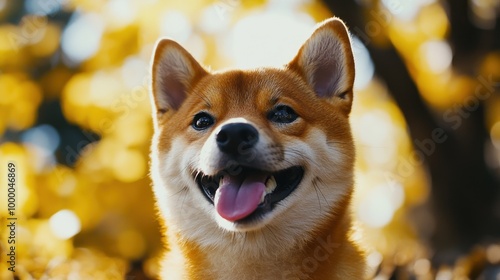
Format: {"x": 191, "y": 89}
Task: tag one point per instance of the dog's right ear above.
{"x": 174, "y": 72}
{"x": 326, "y": 63}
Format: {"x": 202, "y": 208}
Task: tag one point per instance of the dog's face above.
{"x": 249, "y": 151}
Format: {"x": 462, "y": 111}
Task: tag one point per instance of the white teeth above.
{"x": 220, "y": 180}
{"x": 270, "y": 185}
{"x": 262, "y": 198}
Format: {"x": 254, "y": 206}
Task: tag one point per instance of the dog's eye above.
{"x": 202, "y": 121}
{"x": 282, "y": 114}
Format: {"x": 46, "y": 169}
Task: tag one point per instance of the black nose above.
{"x": 235, "y": 138}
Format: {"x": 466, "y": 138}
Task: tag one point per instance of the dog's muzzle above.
{"x": 244, "y": 190}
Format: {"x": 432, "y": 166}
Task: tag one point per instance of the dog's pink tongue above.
{"x": 235, "y": 199}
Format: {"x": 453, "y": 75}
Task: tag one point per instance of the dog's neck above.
{"x": 325, "y": 256}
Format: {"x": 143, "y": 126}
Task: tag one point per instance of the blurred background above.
{"x": 75, "y": 119}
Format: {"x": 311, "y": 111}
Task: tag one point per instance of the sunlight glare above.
{"x": 65, "y": 224}
{"x": 364, "y": 64}
{"x": 82, "y": 37}
{"x": 121, "y": 11}
{"x": 175, "y": 25}
{"x": 438, "y": 55}
{"x": 42, "y": 142}
{"x": 129, "y": 165}
{"x": 405, "y": 10}
{"x": 377, "y": 211}
{"x": 493, "y": 253}
{"x": 211, "y": 22}
{"x": 374, "y": 259}
{"x": 444, "y": 274}
{"x": 375, "y": 130}
{"x": 104, "y": 89}
{"x": 270, "y": 38}
{"x": 44, "y": 136}
{"x": 134, "y": 72}
{"x": 422, "y": 267}
{"x": 379, "y": 204}
{"x": 484, "y": 13}
{"x": 286, "y": 4}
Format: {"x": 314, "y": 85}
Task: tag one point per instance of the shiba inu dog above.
{"x": 253, "y": 170}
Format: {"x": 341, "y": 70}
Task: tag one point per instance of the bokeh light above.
{"x": 65, "y": 224}
{"x": 437, "y": 55}
{"x": 75, "y": 119}
{"x": 405, "y": 10}
{"x": 81, "y": 39}
{"x": 43, "y": 136}
{"x": 269, "y": 38}
{"x": 175, "y": 25}
{"x": 364, "y": 65}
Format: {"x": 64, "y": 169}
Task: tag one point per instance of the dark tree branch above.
{"x": 464, "y": 36}
{"x": 469, "y": 42}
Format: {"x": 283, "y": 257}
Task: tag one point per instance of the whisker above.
{"x": 181, "y": 190}
{"x": 272, "y": 233}
{"x": 318, "y": 189}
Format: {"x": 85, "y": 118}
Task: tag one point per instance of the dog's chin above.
{"x": 279, "y": 186}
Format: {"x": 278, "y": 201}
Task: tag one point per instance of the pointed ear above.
{"x": 174, "y": 72}
{"x": 326, "y": 62}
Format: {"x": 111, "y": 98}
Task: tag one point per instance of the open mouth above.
{"x": 244, "y": 194}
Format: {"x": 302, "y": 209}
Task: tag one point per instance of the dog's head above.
{"x": 249, "y": 150}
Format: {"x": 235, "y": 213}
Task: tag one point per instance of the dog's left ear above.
{"x": 326, "y": 62}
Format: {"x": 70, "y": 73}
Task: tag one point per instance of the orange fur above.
{"x": 307, "y": 234}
